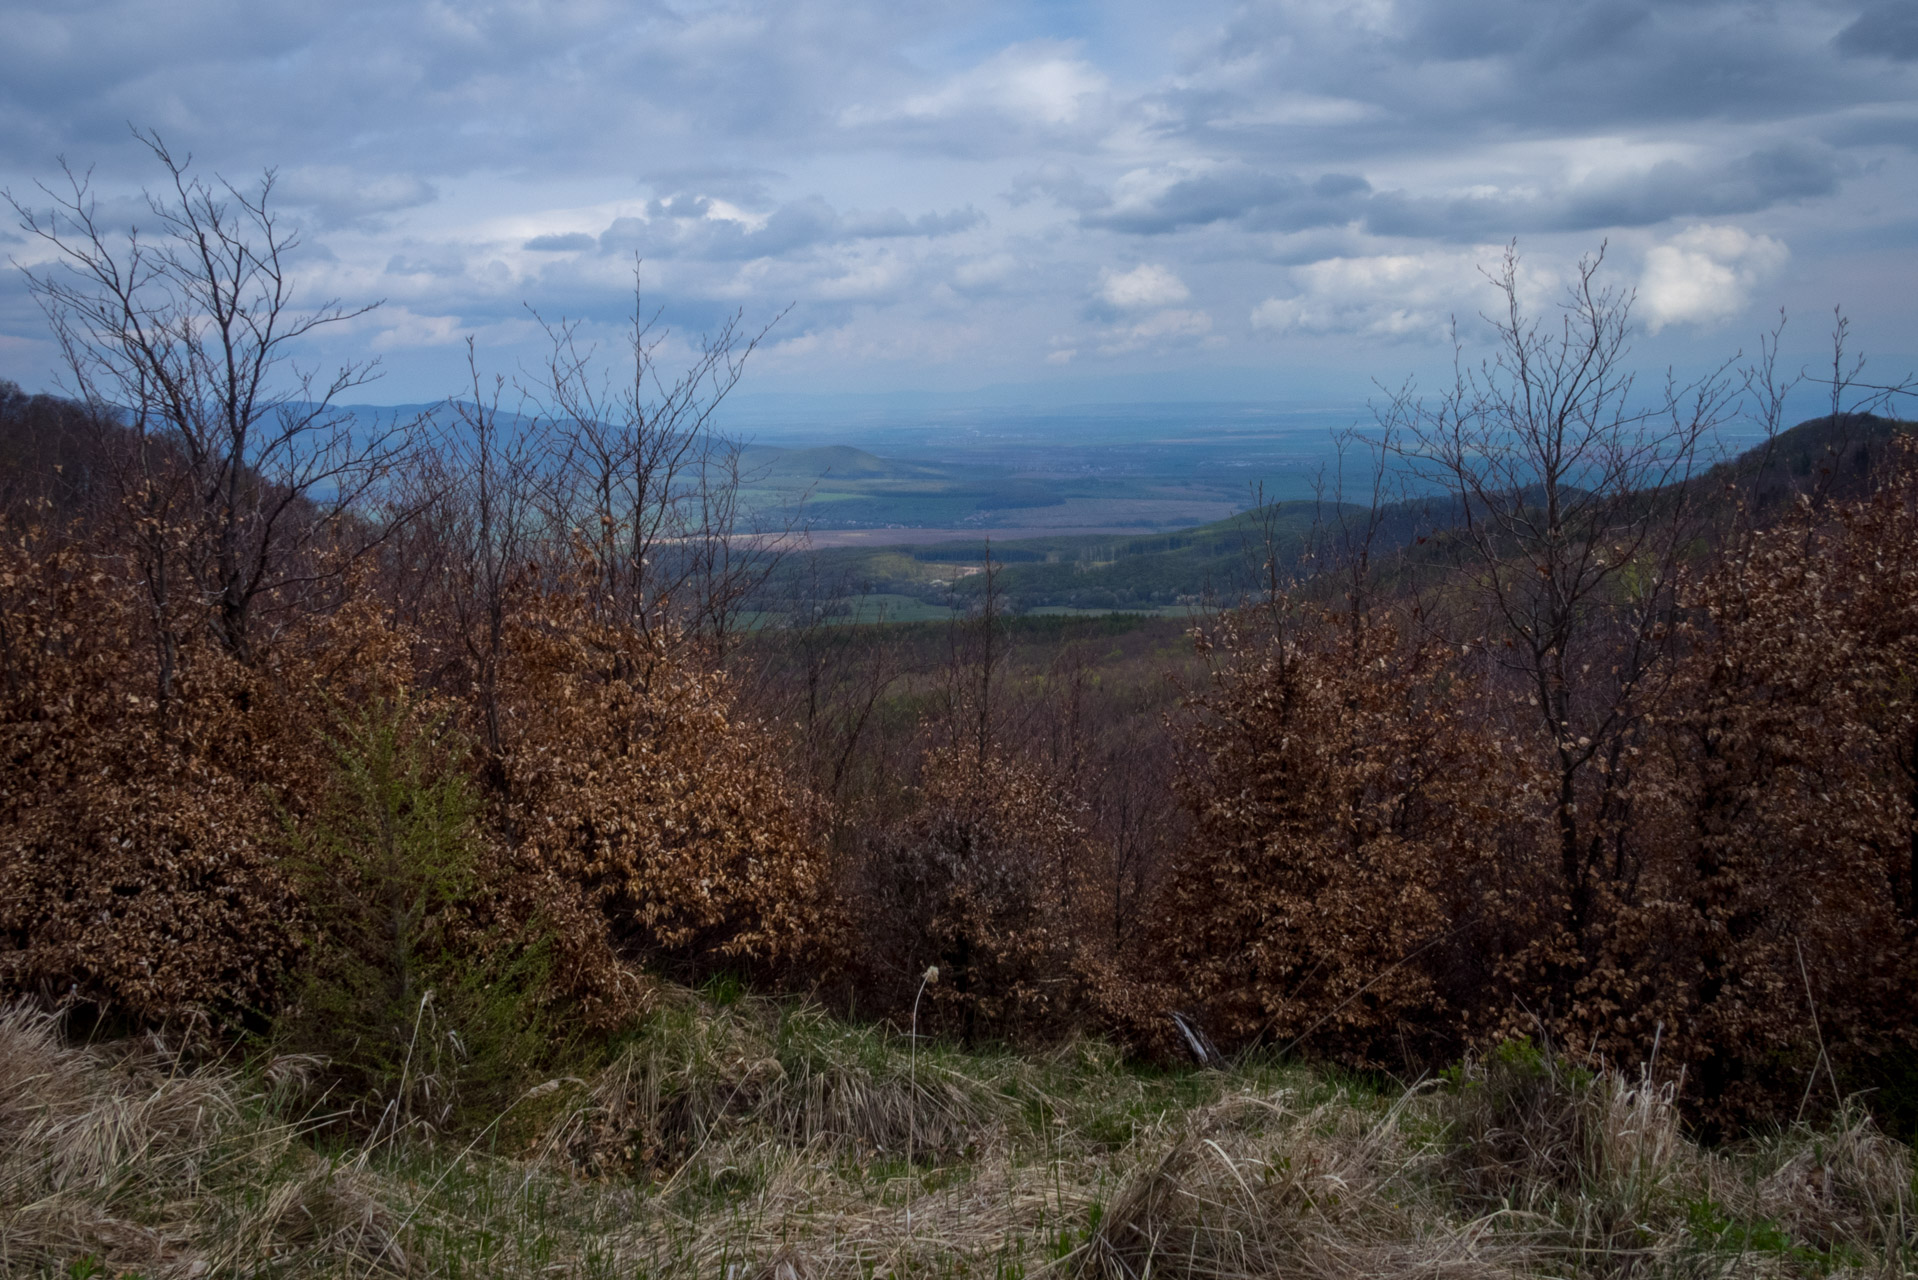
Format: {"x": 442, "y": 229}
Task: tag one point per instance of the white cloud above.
{"x": 1705, "y": 275}
{"x": 985, "y": 273}
{"x": 1299, "y": 109}
{"x": 1038, "y": 82}
{"x": 401, "y": 328}
{"x": 1161, "y": 328}
{"x": 1408, "y": 295}
{"x": 1146, "y": 285}
{"x": 863, "y": 280}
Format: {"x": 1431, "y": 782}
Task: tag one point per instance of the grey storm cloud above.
{"x": 683, "y": 226}
{"x": 459, "y": 87}
{"x": 937, "y": 181}
{"x": 748, "y": 188}
{"x": 442, "y": 263}
{"x": 1886, "y": 30}
{"x": 1430, "y": 68}
{"x": 571, "y": 242}
{"x": 1261, "y": 201}
{"x": 1671, "y": 189}
{"x": 337, "y": 195}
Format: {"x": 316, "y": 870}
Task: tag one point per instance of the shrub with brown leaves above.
{"x": 137, "y": 873}
{"x": 1342, "y": 801}
{"x": 985, "y": 880}
{"x": 627, "y": 819}
{"x": 1784, "y": 915}
{"x": 1376, "y": 867}
{"x": 639, "y": 816}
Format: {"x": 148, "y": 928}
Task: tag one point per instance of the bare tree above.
{"x": 1572, "y": 489}
{"x": 977, "y": 649}
{"x": 487, "y": 512}
{"x": 187, "y": 336}
{"x": 651, "y": 488}
{"x": 826, "y": 675}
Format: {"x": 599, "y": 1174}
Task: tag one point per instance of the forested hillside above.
{"x": 429, "y": 764}
{"x": 1324, "y": 819}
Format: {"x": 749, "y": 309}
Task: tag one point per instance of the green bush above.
{"x": 419, "y": 1013}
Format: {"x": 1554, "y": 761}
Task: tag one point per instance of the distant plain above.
{"x": 1015, "y": 472}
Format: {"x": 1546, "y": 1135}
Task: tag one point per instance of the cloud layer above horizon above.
{"x": 949, "y": 195}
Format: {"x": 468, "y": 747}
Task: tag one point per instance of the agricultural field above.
{"x": 834, "y": 488}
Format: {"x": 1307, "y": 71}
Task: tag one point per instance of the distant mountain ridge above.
{"x": 820, "y": 461}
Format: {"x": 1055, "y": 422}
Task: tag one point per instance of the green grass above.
{"x": 1162, "y": 573}
{"x": 730, "y": 1135}
{"x": 840, "y": 487}
{"x": 883, "y": 606}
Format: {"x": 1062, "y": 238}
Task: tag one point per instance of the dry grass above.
{"x": 762, "y": 1140}
{"x": 700, "y": 1075}
{"x": 120, "y": 1154}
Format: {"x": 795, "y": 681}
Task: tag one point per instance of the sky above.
{"x": 1285, "y": 199}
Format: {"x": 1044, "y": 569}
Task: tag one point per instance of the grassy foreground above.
{"x": 756, "y": 1139}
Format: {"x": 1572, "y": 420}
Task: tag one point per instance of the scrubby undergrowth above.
{"x": 752, "y": 1138}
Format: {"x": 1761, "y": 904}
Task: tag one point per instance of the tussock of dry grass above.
{"x": 760, "y": 1140}
{"x": 121, "y": 1154}
{"x": 700, "y": 1075}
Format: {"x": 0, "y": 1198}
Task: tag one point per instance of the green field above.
{"x": 887, "y": 607}
{"x": 1168, "y": 574}
{"x": 839, "y": 487}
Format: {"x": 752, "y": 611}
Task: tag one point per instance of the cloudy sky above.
{"x": 1285, "y": 197}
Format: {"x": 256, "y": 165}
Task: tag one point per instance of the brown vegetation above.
{"x": 405, "y": 757}
{"x": 1611, "y": 764}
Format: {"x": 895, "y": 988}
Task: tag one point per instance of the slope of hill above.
{"x": 1834, "y": 456}
{"x": 763, "y": 1139}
